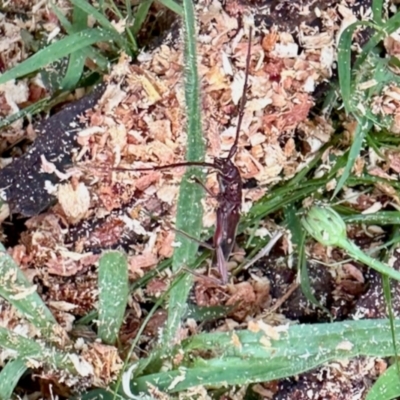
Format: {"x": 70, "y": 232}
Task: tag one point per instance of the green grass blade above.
{"x": 156, "y": 355}
{"x": 79, "y": 19}
{"x": 204, "y": 314}
{"x": 55, "y": 51}
{"x": 293, "y": 191}
{"x": 76, "y": 64}
{"x": 138, "y": 284}
{"x": 301, "y": 175}
{"x": 9, "y": 377}
{"x": 189, "y": 210}
{"x": 344, "y": 64}
{"x": 370, "y": 180}
{"x": 128, "y": 8}
{"x": 279, "y": 199}
{"x": 16, "y": 289}
{"x": 377, "y": 7}
{"x": 389, "y": 304}
{"x": 141, "y": 15}
{"x": 173, "y": 6}
{"x": 388, "y": 28}
{"x": 305, "y": 279}
{"x": 379, "y": 218}
{"x": 77, "y": 59}
{"x": 62, "y": 19}
{"x": 356, "y": 253}
{"x": 123, "y": 15}
{"x": 242, "y": 357}
{"x": 29, "y": 110}
{"x": 374, "y": 144}
{"x": 387, "y": 386}
{"x": 104, "y": 22}
{"x": 91, "y": 53}
{"x": 113, "y": 294}
{"x": 363, "y": 127}
{"x": 30, "y": 350}
{"x": 299, "y": 238}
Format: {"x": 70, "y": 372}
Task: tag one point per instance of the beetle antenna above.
{"x": 243, "y": 99}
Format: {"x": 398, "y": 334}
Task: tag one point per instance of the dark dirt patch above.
{"x": 27, "y": 186}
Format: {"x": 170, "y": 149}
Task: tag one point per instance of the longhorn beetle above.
{"x": 230, "y": 188}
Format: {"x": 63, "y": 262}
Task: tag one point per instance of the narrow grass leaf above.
{"x": 103, "y": 21}
{"x": 154, "y": 361}
{"x": 65, "y": 23}
{"x": 366, "y": 179}
{"x": 379, "y": 218}
{"x": 30, "y": 350}
{"x": 27, "y": 111}
{"x": 386, "y": 137}
{"x": 16, "y": 289}
{"x": 363, "y": 127}
{"x": 55, "y": 51}
{"x": 9, "y": 377}
{"x": 155, "y": 355}
{"x": 301, "y": 175}
{"x": 331, "y": 100}
{"x": 244, "y": 357}
{"x": 377, "y": 8}
{"x": 293, "y": 191}
{"x": 298, "y": 238}
{"x": 373, "y": 143}
{"x": 113, "y": 294}
{"x": 76, "y": 62}
{"x": 389, "y": 304}
{"x": 382, "y": 32}
{"x": 278, "y": 199}
{"x": 128, "y": 7}
{"x": 90, "y": 52}
{"x": 79, "y": 18}
{"x": 52, "y": 74}
{"x": 344, "y": 65}
{"x": 305, "y": 279}
{"x": 204, "y": 314}
{"x": 140, "y": 283}
{"x": 173, "y": 6}
{"x": 387, "y": 292}
{"x": 189, "y": 209}
{"x": 141, "y": 15}
{"x": 387, "y": 386}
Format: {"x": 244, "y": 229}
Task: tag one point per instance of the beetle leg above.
{"x": 221, "y": 264}
{"x": 199, "y": 182}
{"x": 202, "y": 244}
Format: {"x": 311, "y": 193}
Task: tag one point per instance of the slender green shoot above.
{"x": 189, "y": 210}
{"x": 9, "y": 377}
{"x": 113, "y": 295}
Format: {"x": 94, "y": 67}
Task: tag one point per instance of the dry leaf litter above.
{"x": 140, "y": 121}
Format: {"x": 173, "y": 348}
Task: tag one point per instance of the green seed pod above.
{"x": 325, "y": 225}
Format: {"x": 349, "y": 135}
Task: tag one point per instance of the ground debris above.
{"x": 139, "y": 121}
{"x": 341, "y": 380}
